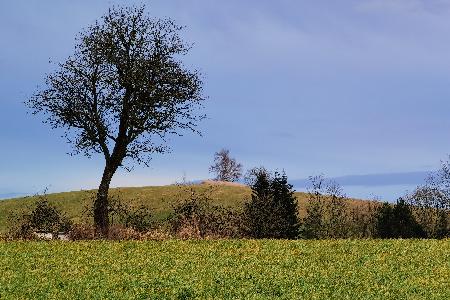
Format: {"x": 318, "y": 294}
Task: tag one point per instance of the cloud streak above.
{"x": 374, "y": 180}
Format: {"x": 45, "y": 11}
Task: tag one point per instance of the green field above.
{"x": 225, "y": 269}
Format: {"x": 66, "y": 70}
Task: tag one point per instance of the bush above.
{"x": 82, "y": 232}
{"x": 195, "y": 217}
{"x": 138, "y": 218}
{"x": 272, "y": 211}
{"x": 42, "y": 217}
{"x": 327, "y": 211}
{"x": 116, "y": 232}
{"x": 363, "y": 220}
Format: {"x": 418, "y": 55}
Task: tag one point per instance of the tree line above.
{"x": 272, "y": 211}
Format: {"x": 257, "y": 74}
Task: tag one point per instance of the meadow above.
{"x": 225, "y": 269}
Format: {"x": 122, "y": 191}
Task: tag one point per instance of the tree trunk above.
{"x": 101, "y": 217}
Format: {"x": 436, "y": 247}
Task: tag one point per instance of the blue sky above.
{"x": 335, "y": 87}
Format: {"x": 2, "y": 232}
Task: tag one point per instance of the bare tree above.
{"x": 121, "y": 93}
{"x": 225, "y": 167}
{"x": 430, "y": 202}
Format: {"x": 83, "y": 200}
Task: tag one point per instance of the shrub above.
{"x": 363, "y": 220}
{"x": 430, "y": 207}
{"x": 82, "y": 232}
{"x": 272, "y": 211}
{"x": 138, "y": 218}
{"x": 430, "y": 203}
{"x": 312, "y": 225}
{"x": 196, "y": 217}
{"x": 42, "y": 217}
{"x": 327, "y": 211}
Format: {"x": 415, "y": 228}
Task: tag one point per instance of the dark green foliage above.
{"x": 42, "y": 217}
{"x": 46, "y": 217}
{"x": 273, "y": 209}
{"x": 257, "y": 212}
{"x": 140, "y": 218}
{"x": 397, "y": 221}
{"x": 385, "y": 221}
{"x": 285, "y": 221}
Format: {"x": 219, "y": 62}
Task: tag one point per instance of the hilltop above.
{"x": 159, "y": 198}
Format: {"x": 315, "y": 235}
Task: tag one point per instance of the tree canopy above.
{"x": 122, "y": 92}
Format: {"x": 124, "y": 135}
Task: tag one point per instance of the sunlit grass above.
{"x": 242, "y": 269}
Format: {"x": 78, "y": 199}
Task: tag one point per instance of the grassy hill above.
{"x": 160, "y": 198}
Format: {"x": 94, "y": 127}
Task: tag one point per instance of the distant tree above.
{"x": 397, "y": 221}
{"x": 337, "y": 221}
{"x": 121, "y": 93}
{"x": 225, "y": 167}
{"x": 273, "y": 209}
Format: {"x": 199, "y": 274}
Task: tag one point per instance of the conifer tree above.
{"x": 398, "y": 222}
{"x": 273, "y": 209}
{"x": 285, "y": 223}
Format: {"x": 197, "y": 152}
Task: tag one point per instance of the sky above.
{"x": 341, "y": 88}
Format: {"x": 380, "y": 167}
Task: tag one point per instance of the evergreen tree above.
{"x": 272, "y": 211}
{"x": 398, "y": 222}
{"x": 256, "y": 212}
{"x": 384, "y": 221}
{"x": 284, "y": 212}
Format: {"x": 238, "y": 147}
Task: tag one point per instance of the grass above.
{"x": 159, "y": 198}
{"x": 226, "y": 269}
